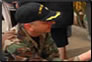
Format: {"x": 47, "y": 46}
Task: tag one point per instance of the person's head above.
{"x": 38, "y": 27}
{"x": 36, "y": 18}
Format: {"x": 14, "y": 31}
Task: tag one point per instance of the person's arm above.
{"x": 82, "y": 57}
{"x": 7, "y": 36}
{"x": 85, "y": 56}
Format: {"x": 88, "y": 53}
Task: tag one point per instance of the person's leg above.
{"x": 88, "y": 13}
{"x": 61, "y": 40}
{"x": 62, "y": 53}
{"x": 69, "y": 31}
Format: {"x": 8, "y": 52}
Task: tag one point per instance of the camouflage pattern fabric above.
{"x": 24, "y": 48}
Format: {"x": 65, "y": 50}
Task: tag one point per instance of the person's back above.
{"x": 66, "y": 9}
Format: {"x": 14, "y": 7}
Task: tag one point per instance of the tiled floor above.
{"x": 78, "y": 42}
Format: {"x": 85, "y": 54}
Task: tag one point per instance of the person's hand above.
{"x": 8, "y": 35}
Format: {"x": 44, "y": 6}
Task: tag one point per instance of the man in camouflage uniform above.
{"x": 29, "y": 40}
{"x": 20, "y": 46}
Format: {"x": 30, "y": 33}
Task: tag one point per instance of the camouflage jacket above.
{"x": 24, "y": 48}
